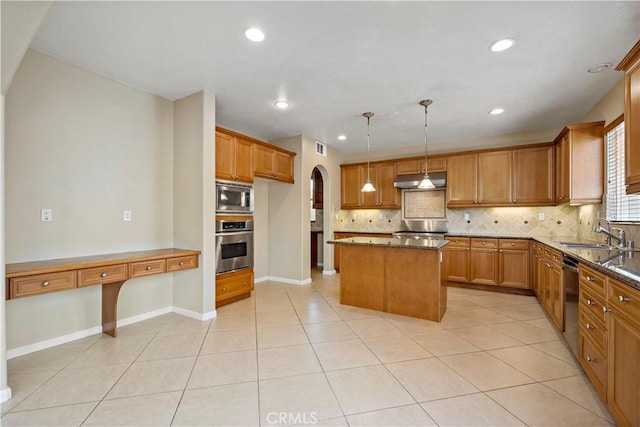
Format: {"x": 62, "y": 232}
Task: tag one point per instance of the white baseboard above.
{"x": 41, "y": 345}
{"x": 5, "y": 394}
{"x": 261, "y": 279}
{"x": 328, "y": 272}
{"x": 289, "y": 281}
{"x": 194, "y": 314}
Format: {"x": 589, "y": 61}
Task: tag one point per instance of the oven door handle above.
{"x": 234, "y": 233}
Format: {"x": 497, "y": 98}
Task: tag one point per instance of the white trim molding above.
{"x": 329, "y": 272}
{"x": 283, "y": 280}
{"x": 194, "y": 314}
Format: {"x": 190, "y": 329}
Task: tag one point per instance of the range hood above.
{"x": 439, "y": 179}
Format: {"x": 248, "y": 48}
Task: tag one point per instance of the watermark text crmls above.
{"x": 304, "y": 418}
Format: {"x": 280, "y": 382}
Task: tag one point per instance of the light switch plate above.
{"x": 126, "y": 215}
{"x": 46, "y": 215}
{"x": 541, "y": 216}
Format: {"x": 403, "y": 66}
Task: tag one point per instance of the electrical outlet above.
{"x": 541, "y": 216}
{"x": 466, "y": 216}
{"x": 126, "y": 215}
{"x": 46, "y": 215}
{"x": 381, "y": 217}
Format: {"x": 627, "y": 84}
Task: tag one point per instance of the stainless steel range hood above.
{"x": 439, "y": 179}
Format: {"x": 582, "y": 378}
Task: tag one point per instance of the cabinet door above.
{"x": 283, "y": 165}
{"x": 556, "y": 296}
{"x": 263, "y": 162}
{"x": 462, "y": 176}
{"x": 533, "y": 170}
{"x": 388, "y": 195}
{"x": 494, "y": 178}
{"x": 624, "y": 370}
{"x": 225, "y": 156}
{"x": 350, "y": 187}
{"x": 632, "y": 124}
{"x": 563, "y": 164}
{"x": 458, "y": 261}
{"x": 514, "y": 268}
{"x": 244, "y": 160}
{"x": 484, "y": 266}
{"x": 410, "y": 166}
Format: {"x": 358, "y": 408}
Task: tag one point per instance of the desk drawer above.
{"x": 147, "y": 268}
{"x": 182, "y": 263}
{"x": 235, "y": 283}
{"x": 99, "y": 275}
{"x": 41, "y": 284}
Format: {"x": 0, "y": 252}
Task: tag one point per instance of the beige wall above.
{"x": 194, "y": 203}
{"x": 88, "y": 148}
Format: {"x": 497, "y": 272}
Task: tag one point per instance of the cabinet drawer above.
{"x": 514, "y": 244}
{"x": 41, "y": 284}
{"x": 593, "y": 330}
{"x": 231, "y": 284}
{"x": 462, "y": 242}
{"x": 484, "y": 243}
{"x": 594, "y": 364}
{"x": 99, "y": 275}
{"x": 592, "y": 279}
{"x": 623, "y": 299}
{"x": 593, "y": 304}
{"x": 182, "y": 263}
{"x": 147, "y": 268}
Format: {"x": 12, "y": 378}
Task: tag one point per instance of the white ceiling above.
{"x": 335, "y": 60}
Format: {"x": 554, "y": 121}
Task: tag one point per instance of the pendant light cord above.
{"x": 368, "y": 149}
{"x": 425, "y": 141}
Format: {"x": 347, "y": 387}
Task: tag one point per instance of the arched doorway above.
{"x": 317, "y": 219}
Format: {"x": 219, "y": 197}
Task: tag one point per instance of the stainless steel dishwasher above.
{"x": 570, "y": 285}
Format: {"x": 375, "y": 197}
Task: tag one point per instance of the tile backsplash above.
{"x": 588, "y": 218}
{"x": 535, "y": 221}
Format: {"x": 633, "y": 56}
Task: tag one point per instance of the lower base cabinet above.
{"x": 233, "y": 286}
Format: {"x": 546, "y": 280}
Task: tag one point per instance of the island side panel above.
{"x": 362, "y": 276}
{"x": 413, "y": 283}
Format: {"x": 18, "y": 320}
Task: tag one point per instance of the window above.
{"x": 619, "y": 205}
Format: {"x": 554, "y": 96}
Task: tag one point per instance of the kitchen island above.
{"x": 400, "y": 276}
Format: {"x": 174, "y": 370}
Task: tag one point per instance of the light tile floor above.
{"x": 294, "y": 355}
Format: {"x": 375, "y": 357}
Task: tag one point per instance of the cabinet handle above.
{"x": 589, "y": 302}
{"x": 589, "y": 326}
{"x": 224, "y": 289}
{"x": 148, "y": 267}
{"x": 495, "y": 250}
{"x": 467, "y": 248}
{"x": 548, "y": 265}
{"x": 46, "y": 283}
{"x": 181, "y": 263}
{"x": 501, "y": 251}
{"x": 103, "y": 275}
{"x": 590, "y": 279}
{"x": 590, "y": 359}
{"x": 605, "y": 309}
{"x": 555, "y": 258}
{"x": 484, "y": 243}
{"x": 513, "y": 244}
{"x": 622, "y": 298}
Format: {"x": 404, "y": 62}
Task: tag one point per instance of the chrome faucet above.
{"x": 619, "y": 236}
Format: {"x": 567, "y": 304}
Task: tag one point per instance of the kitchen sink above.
{"x": 585, "y": 245}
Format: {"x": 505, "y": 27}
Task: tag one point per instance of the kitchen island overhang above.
{"x": 400, "y": 276}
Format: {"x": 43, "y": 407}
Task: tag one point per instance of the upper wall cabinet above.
{"x": 414, "y": 165}
{"x": 273, "y": 163}
{"x": 631, "y": 67}
{"x": 382, "y": 176}
{"x": 234, "y": 158}
{"x": 533, "y": 169}
{"x": 580, "y": 164}
{"x": 479, "y": 179}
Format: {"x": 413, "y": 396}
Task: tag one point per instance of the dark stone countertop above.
{"x": 391, "y": 242}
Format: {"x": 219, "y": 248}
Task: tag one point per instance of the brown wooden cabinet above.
{"x": 382, "y": 175}
{"x": 514, "y": 263}
{"x": 484, "y": 261}
{"x": 234, "y": 158}
{"x": 233, "y": 286}
{"x": 273, "y": 163}
{"x": 623, "y": 380}
{"x": 548, "y": 282}
{"x": 458, "y": 261}
{"x": 342, "y": 235}
{"x": 533, "y": 176}
{"x": 479, "y": 179}
{"x": 631, "y": 67}
{"x": 580, "y": 163}
{"x": 415, "y": 165}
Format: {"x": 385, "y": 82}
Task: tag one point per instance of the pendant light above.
{"x": 368, "y": 186}
{"x": 426, "y": 182}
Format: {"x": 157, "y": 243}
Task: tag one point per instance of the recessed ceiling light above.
{"x": 599, "y": 68}
{"x": 496, "y": 111}
{"x": 342, "y": 137}
{"x": 282, "y": 104}
{"x": 254, "y": 34}
{"x": 501, "y": 45}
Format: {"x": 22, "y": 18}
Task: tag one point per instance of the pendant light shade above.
{"x": 368, "y": 186}
{"x": 426, "y": 183}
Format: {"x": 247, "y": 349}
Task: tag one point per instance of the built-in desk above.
{"x": 26, "y": 279}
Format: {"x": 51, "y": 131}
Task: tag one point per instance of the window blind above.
{"x": 619, "y": 205}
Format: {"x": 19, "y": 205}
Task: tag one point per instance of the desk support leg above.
{"x": 110, "y": 293}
